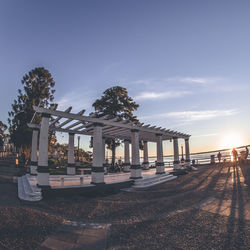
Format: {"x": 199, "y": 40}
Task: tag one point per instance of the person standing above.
{"x": 219, "y": 156}
{"x": 246, "y": 154}
{"x": 235, "y": 155}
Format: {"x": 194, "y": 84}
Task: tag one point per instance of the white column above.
{"x": 97, "y": 173}
{"x": 160, "y": 169}
{"x": 176, "y": 153}
{"x": 43, "y": 170}
{"x": 126, "y": 164}
{"x": 187, "y": 152}
{"x": 103, "y": 157}
{"x": 145, "y": 164}
{"x": 33, "y": 163}
{"x": 71, "y": 168}
{"x": 135, "y": 167}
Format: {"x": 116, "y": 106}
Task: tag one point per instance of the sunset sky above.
{"x": 186, "y": 63}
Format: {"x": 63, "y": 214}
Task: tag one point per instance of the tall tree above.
{"x": 115, "y": 102}
{"x": 38, "y": 89}
{"x": 3, "y": 128}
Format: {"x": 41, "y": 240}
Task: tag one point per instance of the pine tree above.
{"x": 3, "y": 128}
{"x": 38, "y": 89}
{"x": 115, "y": 103}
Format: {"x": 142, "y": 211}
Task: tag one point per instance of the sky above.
{"x": 186, "y": 63}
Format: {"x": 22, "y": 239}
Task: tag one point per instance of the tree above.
{"x": 38, "y": 89}
{"x": 115, "y": 102}
{"x": 3, "y": 128}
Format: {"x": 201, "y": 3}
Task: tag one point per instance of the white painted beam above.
{"x": 97, "y": 120}
{"x": 59, "y": 117}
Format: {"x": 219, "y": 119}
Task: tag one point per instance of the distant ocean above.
{"x": 202, "y": 158}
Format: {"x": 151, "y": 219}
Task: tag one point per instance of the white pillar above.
{"x": 145, "y": 164}
{"x": 135, "y": 167}
{"x": 97, "y": 173}
{"x": 160, "y": 169}
{"x": 71, "y": 167}
{"x": 187, "y": 152}
{"x": 33, "y": 163}
{"x": 103, "y": 157}
{"x": 43, "y": 170}
{"x": 126, "y": 164}
{"x": 176, "y": 153}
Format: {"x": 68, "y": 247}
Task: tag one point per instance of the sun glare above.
{"x": 231, "y": 141}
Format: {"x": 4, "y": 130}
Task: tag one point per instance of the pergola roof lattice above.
{"x": 111, "y": 128}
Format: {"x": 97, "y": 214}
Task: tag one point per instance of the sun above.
{"x": 231, "y": 140}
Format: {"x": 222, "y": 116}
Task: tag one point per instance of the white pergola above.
{"x": 100, "y": 128}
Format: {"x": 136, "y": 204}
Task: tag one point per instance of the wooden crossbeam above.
{"x": 80, "y": 127}
{"x": 104, "y": 117}
{"x": 70, "y": 116}
{"x": 74, "y": 124}
{"x": 69, "y": 120}
{"x": 59, "y": 117}
{"x": 115, "y": 130}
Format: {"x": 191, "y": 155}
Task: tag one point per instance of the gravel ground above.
{"x": 21, "y": 227}
{"x": 168, "y": 216}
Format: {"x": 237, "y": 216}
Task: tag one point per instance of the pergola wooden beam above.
{"x": 59, "y": 117}
{"x": 74, "y": 124}
{"x": 69, "y": 120}
{"x": 113, "y": 123}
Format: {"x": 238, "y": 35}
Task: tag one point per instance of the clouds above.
{"x": 174, "y": 87}
{"x": 191, "y": 116}
{"x": 78, "y": 100}
{"x": 205, "y": 135}
{"x": 180, "y": 80}
{"x": 201, "y": 115}
{"x": 198, "y": 80}
{"x": 194, "y": 80}
{"x": 162, "y": 95}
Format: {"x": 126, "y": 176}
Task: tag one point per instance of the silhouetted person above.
{"x": 235, "y": 155}
{"x": 219, "y": 156}
{"x": 193, "y": 162}
{"x": 246, "y": 153}
{"x": 120, "y": 161}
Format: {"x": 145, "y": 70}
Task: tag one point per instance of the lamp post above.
{"x": 182, "y": 157}
{"x": 78, "y": 157}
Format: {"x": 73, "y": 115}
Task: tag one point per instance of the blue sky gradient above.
{"x": 185, "y": 62}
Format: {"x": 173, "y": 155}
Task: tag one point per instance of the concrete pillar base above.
{"x": 43, "y": 179}
{"x": 135, "y": 173}
{"x": 145, "y": 165}
{"x": 160, "y": 170}
{"x": 33, "y": 170}
{"x": 71, "y": 170}
{"x": 97, "y": 177}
